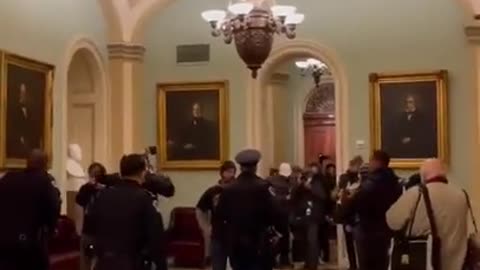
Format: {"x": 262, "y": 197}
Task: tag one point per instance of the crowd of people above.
{"x": 251, "y": 222}
{"x": 290, "y": 216}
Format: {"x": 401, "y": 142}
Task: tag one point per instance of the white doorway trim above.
{"x": 102, "y": 85}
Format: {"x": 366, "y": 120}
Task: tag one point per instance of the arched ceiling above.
{"x": 127, "y": 18}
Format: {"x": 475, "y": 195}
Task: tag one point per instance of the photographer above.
{"x": 97, "y": 174}
{"x": 155, "y": 183}
{"x": 349, "y": 183}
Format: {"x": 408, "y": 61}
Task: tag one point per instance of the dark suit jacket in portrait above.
{"x": 22, "y": 122}
{"x": 420, "y": 132}
{"x": 203, "y": 135}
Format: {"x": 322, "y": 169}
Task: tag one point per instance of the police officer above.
{"x": 29, "y": 209}
{"x": 126, "y": 228}
{"x": 246, "y": 207}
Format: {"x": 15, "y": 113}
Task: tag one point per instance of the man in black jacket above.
{"x": 127, "y": 230}
{"x": 349, "y": 182}
{"x": 309, "y": 199}
{"x": 375, "y": 196}
{"x": 29, "y": 209}
{"x": 247, "y": 210}
{"x": 85, "y": 196}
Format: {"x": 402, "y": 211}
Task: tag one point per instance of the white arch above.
{"x": 288, "y": 51}
{"x": 76, "y": 44}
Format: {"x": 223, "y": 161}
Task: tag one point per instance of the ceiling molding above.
{"x": 126, "y": 51}
{"x": 279, "y": 77}
{"x": 473, "y": 33}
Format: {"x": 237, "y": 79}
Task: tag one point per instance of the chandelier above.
{"x": 313, "y": 66}
{"x": 252, "y": 28}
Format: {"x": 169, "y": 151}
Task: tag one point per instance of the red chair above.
{"x": 185, "y": 239}
{"x": 64, "y": 247}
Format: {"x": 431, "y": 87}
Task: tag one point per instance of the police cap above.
{"x": 248, "y": 157}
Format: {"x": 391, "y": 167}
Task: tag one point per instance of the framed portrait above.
{"x": 409, "y": 116}
{"x": 26, "y": 112}
{"x": 192, "y": 125}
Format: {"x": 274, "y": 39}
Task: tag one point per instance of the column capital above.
{"x": 473, "y": 33}
{"x": 126, "y": 51}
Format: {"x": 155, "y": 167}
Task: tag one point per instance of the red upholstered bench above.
{"x": 64, "y": 248}
{"x": 185, "y": 238}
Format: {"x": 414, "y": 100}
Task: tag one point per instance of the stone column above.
{"x": 473, "y": 35}
{"x": 126, "y": 76}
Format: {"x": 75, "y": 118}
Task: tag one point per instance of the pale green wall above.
{"x": 42, "y": 30}
{"x": 368, "y": 36}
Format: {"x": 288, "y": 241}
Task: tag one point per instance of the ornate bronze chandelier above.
{"x": 252, "y": 28}
{"x": 313, "y": 66}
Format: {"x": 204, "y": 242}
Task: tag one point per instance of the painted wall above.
{"x": 160, "y": 66}
{"x": 368, "y": 36}
{"x": 42, "y": 30}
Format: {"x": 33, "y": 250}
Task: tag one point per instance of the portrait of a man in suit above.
{"x": 193, "y": 126}
{"x": 23, "y": 129}
{"x": 198, "y": 137}
{"x": 409, "y": 128}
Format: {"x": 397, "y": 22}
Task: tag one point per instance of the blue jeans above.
{"x": 218, "y": 254}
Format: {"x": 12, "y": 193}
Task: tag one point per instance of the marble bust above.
{"x": 76, "y": 175}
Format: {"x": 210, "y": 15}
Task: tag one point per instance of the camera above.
{"x": 156, "y": 183}
{"x": 159, "y": 184}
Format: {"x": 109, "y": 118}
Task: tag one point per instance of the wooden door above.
{"x": 319, "y": 133}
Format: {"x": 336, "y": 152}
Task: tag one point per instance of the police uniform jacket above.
{"x": 247, "y": 209}
{"x": 126, "y": 228}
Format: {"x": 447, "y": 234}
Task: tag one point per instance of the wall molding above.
{"x": 280, "y": 77}
{"x": 473, "y": 33}
{"x": 126, "y": 51}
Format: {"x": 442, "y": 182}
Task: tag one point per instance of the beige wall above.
{"x": 365, "y": 36}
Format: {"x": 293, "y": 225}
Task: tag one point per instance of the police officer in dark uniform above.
{"x": 127, "y": 230}
{"x": 29, "y": 209}
{"x": 246, "y": 207}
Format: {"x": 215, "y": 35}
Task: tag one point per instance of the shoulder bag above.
{"x": 472, "y": 261}
{"x": 417, "y": 252}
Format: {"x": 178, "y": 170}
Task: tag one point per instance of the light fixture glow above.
{"x": 283, "y": 11}
{"x": 314, "y": 62}
{"x": 214, "y": 15}
{"x": 252, "y": 24}
{"x": 296, "y": 18}
{"x": 242, "y": 8}
{"x": 302, "y": 64}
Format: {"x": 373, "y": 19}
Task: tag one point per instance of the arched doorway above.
{"x": 319, "y": 121}
{"x": 86, "y": 109}
{"x": 256, "y": 94}
{"x": 258, "y": 134}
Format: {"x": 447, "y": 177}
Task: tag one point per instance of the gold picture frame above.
{"x": 409, "y": 116}
{"x": 179, "y": 133}
{"x": 16, "y": 143}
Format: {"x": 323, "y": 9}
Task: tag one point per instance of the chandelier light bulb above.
{"x": 214, "y": 15}
{"x": 283, "y": 11}
{"x": 252, "y": 25}
{"x": 314, "y": 62}
{"x": 295, "y": 19}
{"x": 301, "y": 64}
{"x": 242, "y": 8}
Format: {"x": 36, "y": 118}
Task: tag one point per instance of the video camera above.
{"x": 157, "y": 183}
